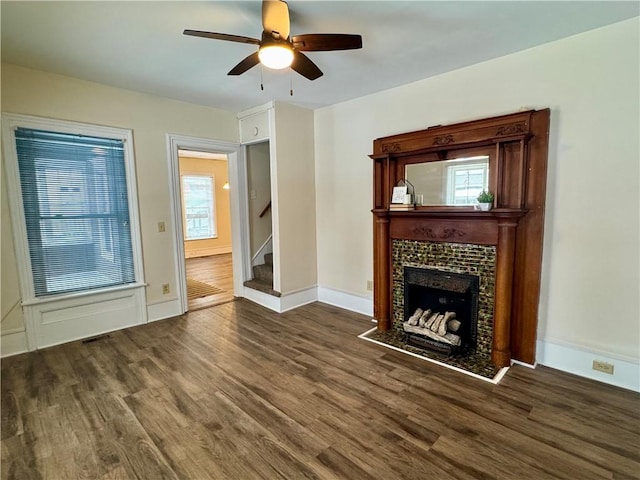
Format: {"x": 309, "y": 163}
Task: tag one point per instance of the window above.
{"x": 198, "y": 201}
{"x": 465, "y": 182}
{"x": 76, "y": 210}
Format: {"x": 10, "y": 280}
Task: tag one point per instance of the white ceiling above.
{"x": 140, "y": 46}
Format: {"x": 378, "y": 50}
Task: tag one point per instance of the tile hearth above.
{"x": 479, "y": 365}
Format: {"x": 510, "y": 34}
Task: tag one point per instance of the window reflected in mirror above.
{"x": 456, "y": 182}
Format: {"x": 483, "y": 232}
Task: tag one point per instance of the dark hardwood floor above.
{"x": 239, "y": 392}
{"x": 215, "y": 270}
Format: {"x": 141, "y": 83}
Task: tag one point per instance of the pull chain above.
{"x": 290, "y": 82}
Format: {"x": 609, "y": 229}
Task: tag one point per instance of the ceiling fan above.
{"x": 277, "y": 49}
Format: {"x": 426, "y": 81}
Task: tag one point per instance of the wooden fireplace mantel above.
{"x": 496, "y": 227}
{"x": 447, "y": 224}
{"x": 518, "y": 157}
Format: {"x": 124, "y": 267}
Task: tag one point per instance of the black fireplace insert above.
{"x": 437, "y": 291}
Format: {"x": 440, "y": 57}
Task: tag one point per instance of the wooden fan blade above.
{"x": 316, "y": 42}
{"x": 249, "y": 62}
{"x": 305, "y": 67}
{"x": 275, "y": 18}
{"x": 222, "y": 36}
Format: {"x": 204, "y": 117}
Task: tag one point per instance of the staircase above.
{"x": 263, "y": 277}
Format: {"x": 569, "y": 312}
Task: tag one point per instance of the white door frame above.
{"x": 236, "y": 165}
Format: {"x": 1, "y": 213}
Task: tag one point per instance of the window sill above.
{"x": 88, "y": 293}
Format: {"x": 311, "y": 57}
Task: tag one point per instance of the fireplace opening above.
{"x": 441, "y": 310}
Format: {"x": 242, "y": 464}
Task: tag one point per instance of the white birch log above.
{"x": 413, "y": 319}
{"x": 453, "y": 325}
{"x": 424, "y": 317}
{"x": 449, "y": 316}
{"x": 455, "y": 339}
{"x": 442, "y": 328}
{"x": 450, "y": 338}
{"x": 432, "y": 319}
{"x": 436, "y": 324}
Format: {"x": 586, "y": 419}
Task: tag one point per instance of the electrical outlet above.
{"x": 370, "y": 285}
{"x": 161, "y": 227}
{"x": 603, "y": 367}
{"x": 165, "y": 288}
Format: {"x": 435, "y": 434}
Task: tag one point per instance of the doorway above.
{"x": 206, "y": 227}
{"x": 222, "y": 265}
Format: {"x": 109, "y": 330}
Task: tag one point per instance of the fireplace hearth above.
{"x": 441, "y": 310}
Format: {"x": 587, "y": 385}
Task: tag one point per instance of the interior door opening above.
{"x": 236, "y": 192}
{"x": 259, "y": 218}
{"x": 206, "y": 228}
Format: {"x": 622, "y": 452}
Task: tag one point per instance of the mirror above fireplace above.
{"x": 455, "y": 181}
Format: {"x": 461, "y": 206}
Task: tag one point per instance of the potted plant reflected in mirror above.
{"x": 485, "y": 200}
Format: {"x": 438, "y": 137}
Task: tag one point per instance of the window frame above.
{"x": 451, "y": 171}
{"x": 214, "y": 218}
{"x": 25, "y": 273}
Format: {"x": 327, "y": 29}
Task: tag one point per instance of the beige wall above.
{"x": 151, "y": 118}
{"x": 590, "y": 281}
{"x": 218, "y": 169}
{"x": 9, "y": 289}
{"x": 295, "y": 224}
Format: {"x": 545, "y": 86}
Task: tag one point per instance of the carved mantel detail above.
{"x": 391, "y": 148}
{"x": 437, "y": 233}
{"x": 443, "y": 140}
{"x": 512, "y": 129}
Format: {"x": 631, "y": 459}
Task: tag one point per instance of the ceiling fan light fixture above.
{"x": 276, "y": 56}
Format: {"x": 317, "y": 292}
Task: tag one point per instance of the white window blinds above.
{"x": 74, "y": 192}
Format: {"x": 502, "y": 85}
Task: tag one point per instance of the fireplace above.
{"x": 441, "y": 310}
{"x": 507, "y": 239}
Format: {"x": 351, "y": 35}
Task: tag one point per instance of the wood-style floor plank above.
{"x": 216, "y": 270}
{"x": 238, "y": 392}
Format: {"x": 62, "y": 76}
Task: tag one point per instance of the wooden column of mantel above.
{"x": 517, "y": 146}
{"x": 505, "y": 252}
{"x": 382, "y": 271}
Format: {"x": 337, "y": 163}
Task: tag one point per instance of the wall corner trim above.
{"x": 288, "y": 301}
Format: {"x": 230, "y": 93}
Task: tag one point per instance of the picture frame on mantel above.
{"x": 398, "y": 194}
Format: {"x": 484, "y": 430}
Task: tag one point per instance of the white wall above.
{"x": 43, "y": 94}
{"x": 294, "y": 202}
{"x": 590, "y": 284}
